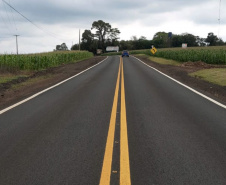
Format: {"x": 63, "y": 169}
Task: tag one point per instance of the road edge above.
{"x": 180, "y": 83}
{"x": 49, "y": 88}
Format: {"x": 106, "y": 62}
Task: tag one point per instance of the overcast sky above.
{"x": 59, "y": 21}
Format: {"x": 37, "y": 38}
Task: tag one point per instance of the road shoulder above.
{"x": 181, "y": 73}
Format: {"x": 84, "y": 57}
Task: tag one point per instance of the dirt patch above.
{"x": 180, "y": 73}
{"x": 195, "y": 66}
{"x": 21, "y": 88}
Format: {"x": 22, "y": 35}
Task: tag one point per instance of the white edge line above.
{"x": 45, "y": 90}
{"x": 193, "y": 90}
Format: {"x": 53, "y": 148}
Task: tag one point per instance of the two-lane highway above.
{"x": 120, "y": 122}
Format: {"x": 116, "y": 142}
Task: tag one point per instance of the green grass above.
{"x": 8, "y": 78}
{"x": 161, "y": 60}
{"x": 214, "y": 75}
{"x": 164, "y": 61}
{"x": 31, "y": 81}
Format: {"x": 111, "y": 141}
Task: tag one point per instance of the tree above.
{"x": 87, "y": 36}
{"x": 176, "y": 41}
{"x": 220, "y": 42}
{"x": 142, "y": 38}
{"x": 87, "y": 40}
{"x": 125, "y": 45}
{"x": 113, "y": 36}
{"x": 105, "y": 33}
{"x": 75, "y": 47}
{"x": 212, "y": 39}
{"x": 189, "y": 39}
{"x": 200, "y": 41}
{"x": 160, "y": 39}
{"x": 134, "y": 38}
{"x": 62, "y": 47}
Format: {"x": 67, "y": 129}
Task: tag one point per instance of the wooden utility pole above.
{"x": 16, "y": 44}
{"x": 79, "y": 39}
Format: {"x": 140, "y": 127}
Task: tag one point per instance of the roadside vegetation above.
{"x": 214, "y": 75}
{"x": 40, "y": 61}
{"x": 4, "y": 78}
{"x": 209, "y": 55}
{"x": 162, "y": 60}
{"x": 13, "y": 67}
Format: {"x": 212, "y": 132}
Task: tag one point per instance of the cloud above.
{"x": 60, "y": 20}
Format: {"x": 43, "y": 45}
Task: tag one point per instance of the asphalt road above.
{"x": 98, "y": 128}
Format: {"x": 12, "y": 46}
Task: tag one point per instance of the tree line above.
{"x": 105, "y": 36}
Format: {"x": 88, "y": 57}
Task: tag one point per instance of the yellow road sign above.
{"x": 153, "y": 50}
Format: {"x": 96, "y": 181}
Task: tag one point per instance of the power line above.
{"x": 23, "y": 15}
{"x": 7, "y": 15}
{"x": 13, "y": 17}
{"x": 47, "y": 32}
{"x": 2, "y": 17}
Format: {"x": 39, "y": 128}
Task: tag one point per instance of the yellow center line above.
{"x": 106, "y": 168}
{"x": 124, "y": 149}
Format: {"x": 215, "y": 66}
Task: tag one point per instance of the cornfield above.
{"x": 41, "y": 61}
{"x": 210, "y": 55}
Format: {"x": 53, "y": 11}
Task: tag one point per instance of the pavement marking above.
{"x": 37, "y": 94}
{"x": 124, "y": 149}
{"x": 107, "y": 162}
{"x": 191, "y": 89}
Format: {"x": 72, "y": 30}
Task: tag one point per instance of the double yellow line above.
{"x": 124, "y": 149}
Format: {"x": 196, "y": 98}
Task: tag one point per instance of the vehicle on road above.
{"x": 125, "y": 53}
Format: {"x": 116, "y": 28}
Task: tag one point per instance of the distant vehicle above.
{"x": 125, "y": 53}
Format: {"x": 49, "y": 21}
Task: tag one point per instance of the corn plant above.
{"x": 208, "y": 55}
{"x": 40, "y": 61}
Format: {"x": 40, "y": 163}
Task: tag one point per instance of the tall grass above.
{"x": 41, "y": 61}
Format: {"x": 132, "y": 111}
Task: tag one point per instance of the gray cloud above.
{"x": 63, "y": 16}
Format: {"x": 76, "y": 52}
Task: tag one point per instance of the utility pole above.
{"x": 16, "y": 44}
{"x": 79, "y": 39}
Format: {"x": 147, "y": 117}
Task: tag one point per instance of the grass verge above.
{"x": 31, "y": 81}
{"x": 214, "y": 75}
{"x": 9, "y": 77}
{"x": 162, "y": 60}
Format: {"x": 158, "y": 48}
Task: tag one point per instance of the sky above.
{"x": 53, "y": 22}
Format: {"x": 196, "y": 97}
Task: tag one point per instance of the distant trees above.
{"x": 213, "y": 40}
{"x": 135, "y": 43}
{"x": 160, "y": 39}
{"x": 62, "y": 47}
{"x": 190, "y": 39}
{"x": 104, "y": 35}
